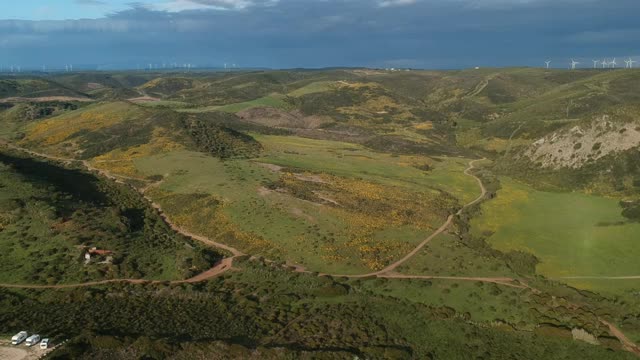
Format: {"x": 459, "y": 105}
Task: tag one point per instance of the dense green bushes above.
{"x": 221, "y": 141}
{"x": 49, "y": 213}
{"x": 631, "y": 210}
{"x": 279, "y": 313}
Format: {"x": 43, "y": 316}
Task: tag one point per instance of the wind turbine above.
{"x": 626, "y": 64}
{"x": 630, "y": 62}
{"x": 604, "y": 63}
{"x": 548, "y": 62}
{"x": 595, "y": 63}
{"x": 613, "y": 63}
{"x": 573, "y": 64}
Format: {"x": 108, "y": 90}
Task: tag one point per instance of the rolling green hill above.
{"x": 51, "y": 216}
{"x": 328, "y": 180}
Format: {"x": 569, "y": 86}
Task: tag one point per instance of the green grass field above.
{"x": 166, "y": 104}
{"x": 445, "y": 255}
{"x": 274, "y": 100}
{"x": 351, "y": 160}
{"x": 482, "y": 301}
{"x": 280, "y": 225}
{"x": 572, "y": 234}
{"x": 314, "y": 87}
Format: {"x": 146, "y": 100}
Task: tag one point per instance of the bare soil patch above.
{"x": 263, "y": 191}
{"x": 94, "y": 86}
{"x": 20, "y": 352}
{"x": 143, "y": 99}
{"x": 278, "y": 118}
{"x": 272, "y": 167}
{"x": 311, "y": 178}
{"x": 12, "y": 353}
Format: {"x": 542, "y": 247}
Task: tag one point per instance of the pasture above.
{"x": 445, "y": 255}
{"x": 330, "y": 206}
{"x": 486, "y": 302}
{"x": 314, "y": 87}
{"x": 273, "y": 100}
{"x": 572, "y": 234}
{"x": 352, "y": 160}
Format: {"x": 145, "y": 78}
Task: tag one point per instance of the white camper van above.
{"x": 32, "y": 340}
{"x": 18, "y": 338}
{"x": 44, "y": 344}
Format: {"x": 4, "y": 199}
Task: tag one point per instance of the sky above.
{"x": 109, "y": 34}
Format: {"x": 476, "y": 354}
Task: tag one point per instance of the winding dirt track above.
{"x": 219, "y": 268}
{"x": 626, "y": 343}
{"x": 440, "y": 230}
{"x": 226, "y": 264}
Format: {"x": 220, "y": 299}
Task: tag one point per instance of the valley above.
{"x": 306, "y": 198}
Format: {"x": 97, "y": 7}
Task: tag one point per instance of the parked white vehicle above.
{"x": 18, "y": 338}
{"x": 44, "y": 343}
{"x": 32, "y": 340}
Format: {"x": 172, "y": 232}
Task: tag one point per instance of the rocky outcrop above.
{"x": 574, "y": 147}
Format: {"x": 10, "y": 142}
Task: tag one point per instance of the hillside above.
{"x": 51, "y": 216}
{"x": 363, "y": 213}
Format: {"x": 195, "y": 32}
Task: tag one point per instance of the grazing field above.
{"x": 315, "y": 87}
{"x": 572, "y": 234}
{"x": 274, "y": 100}
{"x": 340, "y": 172}
{"x": 166, "y": 104}
{"x": 446, "y": 255}
{"x": 229, "y": 201}
{"x": 331, "y": 206}
{"x": 351, "y": 160}
{"x": 480, "y": 301}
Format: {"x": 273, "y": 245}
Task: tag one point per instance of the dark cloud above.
{"x": 293, "y": 33}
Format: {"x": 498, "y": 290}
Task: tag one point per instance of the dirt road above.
{"x": 626, "y": 343}
{"x": 480, "y": 86}
{"x": 439, "y": 231}
{"x": 118, "y": 179}
{"x": 12, "y": 353}
{"x": 227, "y": 264}
{"x": 219, "y": 268}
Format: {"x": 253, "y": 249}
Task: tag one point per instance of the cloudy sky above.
{"x": 316, "y": 33}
